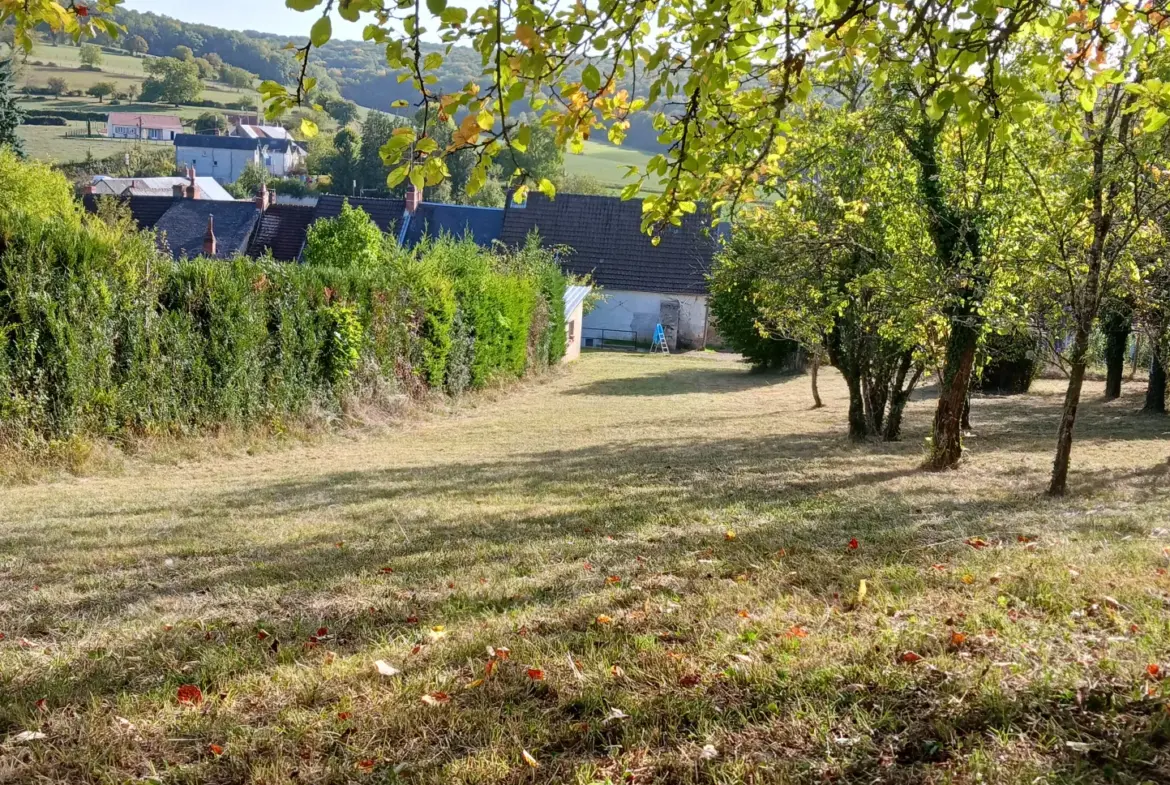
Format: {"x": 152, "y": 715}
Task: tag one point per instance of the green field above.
{"x": 606, "y": 163}
{"x": 50, "y": 143}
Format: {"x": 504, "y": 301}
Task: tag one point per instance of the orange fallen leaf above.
{"x": 854, "y": 544}
{"x": 1154, "y": 670}
{"x": 968, "y": 578}
{"x": 603, "y": 619}
{"x": 416, "y": 648}
{"x": 489, "y": 667}
{"x": 536, "y": 674}
{"x": 798, "y": 632}
{"x": 387, "y": 570}
{"x": 503, "y": 652}
{"x": 1025, "y": 538}
{"x": 366, "y": 764}
{"x": 322, "y": 632}
{"x": 957, "y": 639}
{"x": 412, "y": 619}
{"x": 531, "y": 761}
{"x": 471, "y": 685}
{"x": 215, "y": 749}
{"x": 261, "y": 634}
{"x": 939, "y": 567}
{"x": 976, "y": 542}
{"x": 436, "y": 698}
{"x": 451, "y": 584}
{"x": 340, "y": 543}
{"x": 167, "y": 627}
{"x": 691, "y": 680}
{"x": 41, "y": 705}
{"x": 909, "y": 657}
{"x": 743, "y": 614}
{"x": 612, "y": 580}
{"x": 190, "y": 695}
{"x": 343, "y": 715}
{"x": 729, "y": 535}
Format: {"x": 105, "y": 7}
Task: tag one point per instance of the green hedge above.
{"x": 100, "y": 334}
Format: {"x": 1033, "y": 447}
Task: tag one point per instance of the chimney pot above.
{"x": 262, "y": 198}
{"x": 178, "y": 190}
{"x": 209, "y": 237}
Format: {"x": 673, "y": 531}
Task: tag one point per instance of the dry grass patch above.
{"x": 662, "y": 545}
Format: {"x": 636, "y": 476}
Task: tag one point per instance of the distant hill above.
{"x": 356, "y": 70}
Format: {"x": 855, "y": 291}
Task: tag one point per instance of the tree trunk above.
{"x": 899, "y": 395}
{"x": 858, "y": 430}
{"x": 1156, "y": 389}
{"x": 966, "y": 424}
{"x": 947, "y": 445}
{"x": 1068, "y": 417}
{"x": 1137, "y": 349}
{"x": 1117, "y": 328}
{"x": 816, "y": 393}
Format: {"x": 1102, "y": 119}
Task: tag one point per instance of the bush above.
{"x": 46, "y": 120}
{"x": 1009, "y": 364}
{"x": 104, "y": 335}
{"x": 737, "y": 318}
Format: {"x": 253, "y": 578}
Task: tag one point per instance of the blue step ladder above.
{"x": 659, "y": 344}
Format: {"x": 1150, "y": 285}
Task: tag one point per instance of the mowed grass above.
{"x": 607, "y": 163}
{"x": 50, "y": 143}
{"x": 662, "y": 543}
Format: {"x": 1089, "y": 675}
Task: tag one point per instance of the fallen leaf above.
{"x": 976, "y": 542}
{"x": 1154, "y": 670}
{"x": 531, "y": 761}
{"x": 322, "y": 632}
{"x": 691, "y": 680}
{"x": 968, "y": 578}
{"x": 616, "y": 714}
{"x": 489, "y": 667}
{"x": 387, "y": 570}
{"x": 729, "y": 535}
{"x": 471, "y": 685}
{"x": 743, "y": 614}
{"x": 27, "y": 736}
{"x": 797, "y": 631}
{"x": 503, "y": 652}
{"x": 385, "y": 669}
{"x": 909, "y": 657}
{"x": 603, "y": 619}
{"x": 708, "y": 752}
{"x": 436, "y": 698}
{"x": 339, "y": 544}
{"x": 167, "y": 627}
{"x": 1024, "y": 538}
{"x": 215, "y": 749}
{"x": 939, "y": 567}
{"x": 957, "y": 639}
{"x": 190, "y": 695}
{"x": 437, "y": 632}
{"x": 330, "y": 657}
{"x": 412, "y": 619}
{"x": 41, "y": 705}
{"x": 854, "y": 544}
{"x": 451, "y": 585}
{"x": 344, "y": 715}
{"x": 862, "y": 589}
{"x": 261, "y": 634}
{"x": 612, "y": 580}
{"x": 536, "y": 674}
{"x": 588, "y": 567}
{"x": 366, "y": 764}
{"x": 617, "y": 671}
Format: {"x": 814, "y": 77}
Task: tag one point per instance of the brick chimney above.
{"x": 209, "y": 237}
{"x": 193, "y": 191}
{"x": 178, "y": 190}
{"x": 89, "y": 189}
{"x": 262, "y": 198}
{"x": 413, "y": 199}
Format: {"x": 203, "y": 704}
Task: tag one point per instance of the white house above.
{"x": 225, "y": 157}
{"x": 126, "y": 125}
{"x": 644, "y": 285}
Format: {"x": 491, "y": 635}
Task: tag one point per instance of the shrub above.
{"x": 104, "y": 335}
{"x": 1009, "y": 364}
{"x": 351, "y": 240}
{"x": 737, "y": 318}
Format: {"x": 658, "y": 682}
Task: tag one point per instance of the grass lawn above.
{"x": 664, "y": 546}
{"x": 607, "y": 163}
{"x": 49, "y": 143}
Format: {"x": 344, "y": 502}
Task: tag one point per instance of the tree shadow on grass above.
{"x": 686, "y": 381}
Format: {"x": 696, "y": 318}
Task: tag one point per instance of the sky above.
{"x": 267, "y": 16}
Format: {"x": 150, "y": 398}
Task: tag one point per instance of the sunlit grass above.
{"x": 666, "y": 539}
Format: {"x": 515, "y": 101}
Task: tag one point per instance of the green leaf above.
{"x": 521, "y": 138}
{"x": 1088, "y": 98}
{"x": 591, "y": 78}
{"x": 436, "y": 7}
{"x": 485, "y": 120}
{"x": 426, "y": 145}
{"x": 302, "y": 5}
{"x": 1154, "y": 121}
{"x": 321, "y": 32}
{"x": 432, "y": 61}
{"x": 396, "y": 176}
{"x": 399, "y": 103}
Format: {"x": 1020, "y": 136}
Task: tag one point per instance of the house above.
{"x": 188, "y": 226}
{"x": 225, "y": 157}
{"x": 206, "y": 187}
{"x": 127, "y": 125}
{"x": 574, "y": 310}
{"x": 645, "y": 285}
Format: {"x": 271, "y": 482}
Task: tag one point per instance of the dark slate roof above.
{"x": 146, "y": 210}
{"x": 606, "y": 239}
{"x": 232, "y": 142}
{"x": 433, "y": 219}
{"x": 186, "y": 221}
{"x": 386, "y": 213}
{"x": 282, "y": 231}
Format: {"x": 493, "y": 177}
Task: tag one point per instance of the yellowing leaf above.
{"x": 385, "y": 669}
{"x": 308, "y": 128}
{"x": 862, "y": 589}
{"x": 531, "y": 761}
{"x": 527, "y": 36}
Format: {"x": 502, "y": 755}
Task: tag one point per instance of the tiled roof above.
{"x": 186, "y": 221}
{"x": 158, "y": 186}
{"x": 386, "y": 213}
{"x": 146, "y": 210}
{"x": 606, "y": 239}
{"x": 168, "y": 122}
{"x": 282, "y": 231}
{"x": 434, "y": 219}
{"x": 211, "y": 141}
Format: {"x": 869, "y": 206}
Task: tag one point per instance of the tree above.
{"x": 587, "y": 184}
{"x": 10, "y": 114}
{"x": 376, "y": 132}
{"x": 252, "y": 177}
{"x": 57, "y": 86}
{"x": 351, "y": 240}
{"x": 100, "y": 90}
{"x": 210, "y": 122}
{"x": 338, "y": 160}
{"x": 171, "y": 81}
{"x": 183, "y": 53}
{"x": 91, "y": 55}
{"x": 236, "y": 77}
{"x": 341, "y": 110}
{"x": 214, "y": 60}
{"x": 206, "y": 69}
{"x": 541, "y": 160}
{"x": 1117, "y": 324}
{"x": 136, "y": 44}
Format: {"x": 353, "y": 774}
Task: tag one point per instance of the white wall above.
{"x": 224, "y": 165}
{"x": 641, "y": 311}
